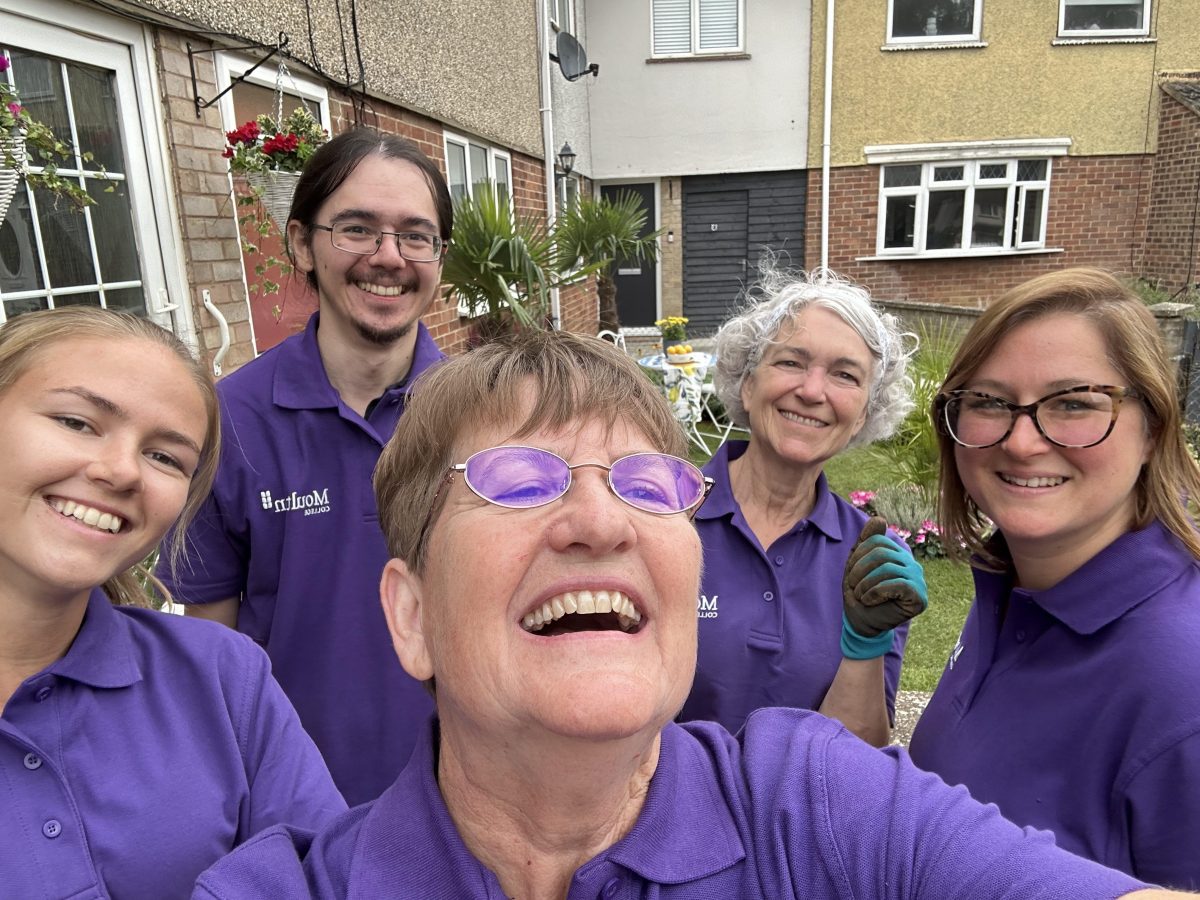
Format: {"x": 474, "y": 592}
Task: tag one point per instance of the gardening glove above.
{"x": 883, "y": 587}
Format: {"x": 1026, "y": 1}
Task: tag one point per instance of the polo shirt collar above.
{"x": 685, "y": 830}
{"x": 721, "y": 501}
{"x": 300, "y": 379}
{"x": 302, "y": 383}
{"x": 102, "y": 654}
{"x": 1133, "y": 568}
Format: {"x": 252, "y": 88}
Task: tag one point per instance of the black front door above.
{"x": 636, "y": 281}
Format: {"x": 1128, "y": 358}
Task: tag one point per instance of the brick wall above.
{"x": 1173, "y": 232}
{"x": 212, "y": 251}
{"x": 670, "y": 219}
{"x": 1097, "y": 218}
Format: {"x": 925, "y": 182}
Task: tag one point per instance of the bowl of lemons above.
{"x": 680, "y": 354}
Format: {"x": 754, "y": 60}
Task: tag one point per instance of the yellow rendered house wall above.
{"x": 1101, "y": 95}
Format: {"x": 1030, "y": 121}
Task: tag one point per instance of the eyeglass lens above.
{"x": 525, "y": 477}
{"x": 363, "y": 240}
{"x": 1075, "y": 419}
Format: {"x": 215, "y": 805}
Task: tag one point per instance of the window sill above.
{"x": 1114, "y": 39}
{"x": 697, "y": 57}
{"x": 935, "y": 45}
{"x": 957, "y": 254}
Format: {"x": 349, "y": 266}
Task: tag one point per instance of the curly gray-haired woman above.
{"x": 810, "y": 366}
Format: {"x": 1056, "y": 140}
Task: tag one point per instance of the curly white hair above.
{"x": 775, "y": 300}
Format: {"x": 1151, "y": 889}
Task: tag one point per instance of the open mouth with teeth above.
{"x": 1040, "y": 482}
{"x": 88, "y": 515}
{"x": 381, "y": 290}
{"x": 577, "y": 611}
{"x": 803, "y": 420}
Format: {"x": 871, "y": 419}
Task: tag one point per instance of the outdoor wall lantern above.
{"x": 566, "y": 158}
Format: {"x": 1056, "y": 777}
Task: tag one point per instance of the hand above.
{"x": 883, "y": 587}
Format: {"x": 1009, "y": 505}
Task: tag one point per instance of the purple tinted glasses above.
{"x": 519, "y": 477}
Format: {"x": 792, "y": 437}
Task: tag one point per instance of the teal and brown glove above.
{"x": 883, "y": 587}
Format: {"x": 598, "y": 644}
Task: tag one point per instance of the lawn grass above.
{"x": 934, "y": 632}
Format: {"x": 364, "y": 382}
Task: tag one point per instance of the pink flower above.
{"x": 920, "y": 538}
{"x": 4, "y": 63}
{"x": 861, "y": 498}
{"x": 14, "y": 108}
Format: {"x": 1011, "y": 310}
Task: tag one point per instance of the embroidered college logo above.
{"x": 706, "y": 608}
{"x": 313, "y": 502}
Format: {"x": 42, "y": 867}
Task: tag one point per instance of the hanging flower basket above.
{"x": 275, "y": 188}
{"x": 271, "y": 155}
{"x": 10, "y": 177}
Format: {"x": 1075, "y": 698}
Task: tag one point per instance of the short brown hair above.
{"x": 24, "y": 338}
{"x": 573, "y": 377}
{"x": 1135, "y": 349}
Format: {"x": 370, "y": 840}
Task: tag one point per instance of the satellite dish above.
{"x": 572, "y": 58}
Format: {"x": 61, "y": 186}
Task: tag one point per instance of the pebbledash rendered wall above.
{"x": 211, "y": 246}
{"x": 1097, "y": 215}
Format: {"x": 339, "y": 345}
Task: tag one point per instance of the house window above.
{"x": 961, "y": 207}
{"x": 933, "y": 21}
{"x": 1104, "y": 18}
{"x": 696, "y": 27}
{"x": 469, "y": 164}
{"x": 560, "y": 14}
{"x": 71, "y": 64}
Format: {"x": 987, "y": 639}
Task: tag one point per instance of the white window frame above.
{"x": 93, "y": 37}
{"x": 232, "y": 65}
{"x": 973, "y": 37}
{"x": 971, "y": 156}
{"x": 561, "y": 14}
{"x": 494, "y": 154}
{"x": 1100, "y": 34}
{"x": 694, "y": 49}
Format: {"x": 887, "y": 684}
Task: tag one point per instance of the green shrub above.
{"x": 911, "y": 455}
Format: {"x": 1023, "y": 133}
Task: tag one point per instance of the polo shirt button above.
{"x": 52, "y": 828}
{"x": 779, "y": 560}
{"x": 32, "y": 761}
{"x": 768, "y": 596}
{"x": 43, "y": 693}
{"x": 1020, "y": 636}
{"x": 610, "y": 889}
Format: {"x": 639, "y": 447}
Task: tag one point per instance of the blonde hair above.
{"x": 24, "y": 338}
{"x": 1168, "y": 480}
{"x": 572, "y": 378}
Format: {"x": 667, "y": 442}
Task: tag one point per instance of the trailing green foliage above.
{"x": 601, "y": 233}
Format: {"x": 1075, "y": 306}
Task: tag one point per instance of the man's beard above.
{"x": 383, "y": 337}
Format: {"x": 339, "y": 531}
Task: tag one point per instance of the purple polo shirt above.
{"x": 291, "y": 525}
{"x": 1078, "y": 708}
{"x": 153, "y": 748}
{"x": 793, "y": 807}
{"x": 770, "y": 621}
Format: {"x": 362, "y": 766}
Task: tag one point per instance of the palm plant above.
{"x": 912, "y": 453}
{"x": 600, "y": 232}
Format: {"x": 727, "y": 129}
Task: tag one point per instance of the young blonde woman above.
{"x": 135, "y": 747}
{"x": 1072, "y": 699}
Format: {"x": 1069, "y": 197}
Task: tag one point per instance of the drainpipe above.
{"x": 547, "y": 112}
{"x": 827, "y": 116}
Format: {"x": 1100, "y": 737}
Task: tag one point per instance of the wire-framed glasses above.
{"x": 518, "y": 477}
{"x": 363, "y": 240}
{"x": 1081, "y": 416}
